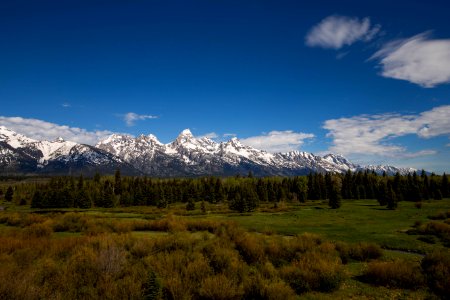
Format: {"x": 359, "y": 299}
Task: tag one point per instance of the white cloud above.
{"x": 336, "y": 32}
{"x": 373, "y": 134}
{"x": 278, "y": 141}
{"x": 42, "y": 130}
{"x": 66, "y": 105}
{"x": 227, "y": 135}
{"x": 210, "y": 135}
{"x": 419, "y": 60}
{"x": 131, "y": 117}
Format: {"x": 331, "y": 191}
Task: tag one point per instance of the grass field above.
{"x": 355, "y": 222}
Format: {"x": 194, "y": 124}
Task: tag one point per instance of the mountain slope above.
{"x": 145, "y": 154}
{"x": 22, "y": 155}
{"x": 191, "y": 156}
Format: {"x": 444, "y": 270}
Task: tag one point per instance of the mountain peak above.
{"x": 59, "y": 139}
{"x": 186, "y": 133}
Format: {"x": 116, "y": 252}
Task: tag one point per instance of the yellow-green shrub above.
{"x": 398, "y": 273}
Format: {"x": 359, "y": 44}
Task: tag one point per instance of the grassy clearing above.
{"x": 355, "y": 221}
{"x": 307, "y": 251}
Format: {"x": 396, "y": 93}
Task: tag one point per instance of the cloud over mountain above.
{"x": 373, "y": 134}
{"x": 131, "y": 117}
{"x": 278, "y": 141}
{"x": 42, "y": 130}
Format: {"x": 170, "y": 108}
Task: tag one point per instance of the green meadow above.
{"x": 361, "y": 250}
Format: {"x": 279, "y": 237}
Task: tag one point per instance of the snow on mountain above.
{"x": 14, "y": 139}
{"x": 185, "y": 156}
{"x": 19, "y": 154}
{"x": 189, "y": 155}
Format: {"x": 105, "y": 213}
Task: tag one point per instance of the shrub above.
{"x": 72, "y": 222}
{"x": 151, "y": 288}
{"x": 219, "y": 287}
{"x": 436, "y": 267}
{"x": 401, "y": 274}
{"x": 256, "y": 287}
{"x": 440, "y": 216}
{"x": 365, "y": 251}
{"x": 250, "y": 248}
{"x": 38, "y": 231}
{"x": 314, "y": 272}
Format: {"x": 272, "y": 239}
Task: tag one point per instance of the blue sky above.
{"x": 369, "y": 81}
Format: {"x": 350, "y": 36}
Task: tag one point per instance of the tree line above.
{"x": 242, "y": 193}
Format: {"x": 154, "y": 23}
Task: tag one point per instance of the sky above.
{"x": 366, "y": 79}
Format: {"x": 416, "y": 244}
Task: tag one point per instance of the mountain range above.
{"x": 146, "y": 155}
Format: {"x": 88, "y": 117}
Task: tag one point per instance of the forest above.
{"x": 242, "y": 194}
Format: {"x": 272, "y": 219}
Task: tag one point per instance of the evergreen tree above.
{"x": 117, "y": 183}
{"x": 9, "y": 194}
{"x": 335, "y": 198}
{"x": 382, "y": 193}
{"x": 108, "y": 197}
{"x": 391, "y": 198}
{"x": 82, "y": 199}
{"x": 203, "y": 207}
{"x": 97, "y": 177}
{"x": 445, "y": 188}
{"x": 37, "y": 200}
{"x": 237, "y": 203}
{"x": 190, "y": 205}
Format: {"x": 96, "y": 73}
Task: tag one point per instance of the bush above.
{"x": 401, "y": 274}
{"x": 256, "y": 287}
{"x": 436, "y": 267}
{"x": 250, "y": 248}
{"x": 219, "y": 287}
{"x": 151, "y": 288}
{"x": 38, "y": 231}
{"x": 365, "y": 251}
{"x": 314, "y": 272}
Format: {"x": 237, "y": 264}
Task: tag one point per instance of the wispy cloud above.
{"x": 131, "y": 118}
{"x": 42, "y": 130}
{"x": 210, "y": 135}
{"x": 66, "y": 105}
{"x": 278, "y": 141}
{"x": 227, "y": 135}
{"x": 419, "y": 59}
{"x": 335, "y": 32}
{"x": 373, "y": 134}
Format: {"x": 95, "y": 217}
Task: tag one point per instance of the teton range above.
{"x": 145, "y": 155}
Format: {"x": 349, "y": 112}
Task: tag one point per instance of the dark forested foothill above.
{"x": 242, "y": 194}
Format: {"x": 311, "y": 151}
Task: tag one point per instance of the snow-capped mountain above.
{"x": 20, "y": 154}
{"x": 191, "y": 156}
{"x": 145, "y": 154}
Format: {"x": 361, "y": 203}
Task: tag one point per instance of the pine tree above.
{"x": 108, "y": 197}
{"x": 391, "y": 198}
{"x": 37, "y": 200}
{"x": 335, "y": 198}
{"x": 445, "y": 188}
{"x": 237, "y": 202}
{"x": 9, "y": 194}
{"x": 117, "y": 183}
{"x": 97, "y": 177}
{"x": 82, "y": 199}
{"x": 190, "y": 205}
{"x": 382, "y": 193}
